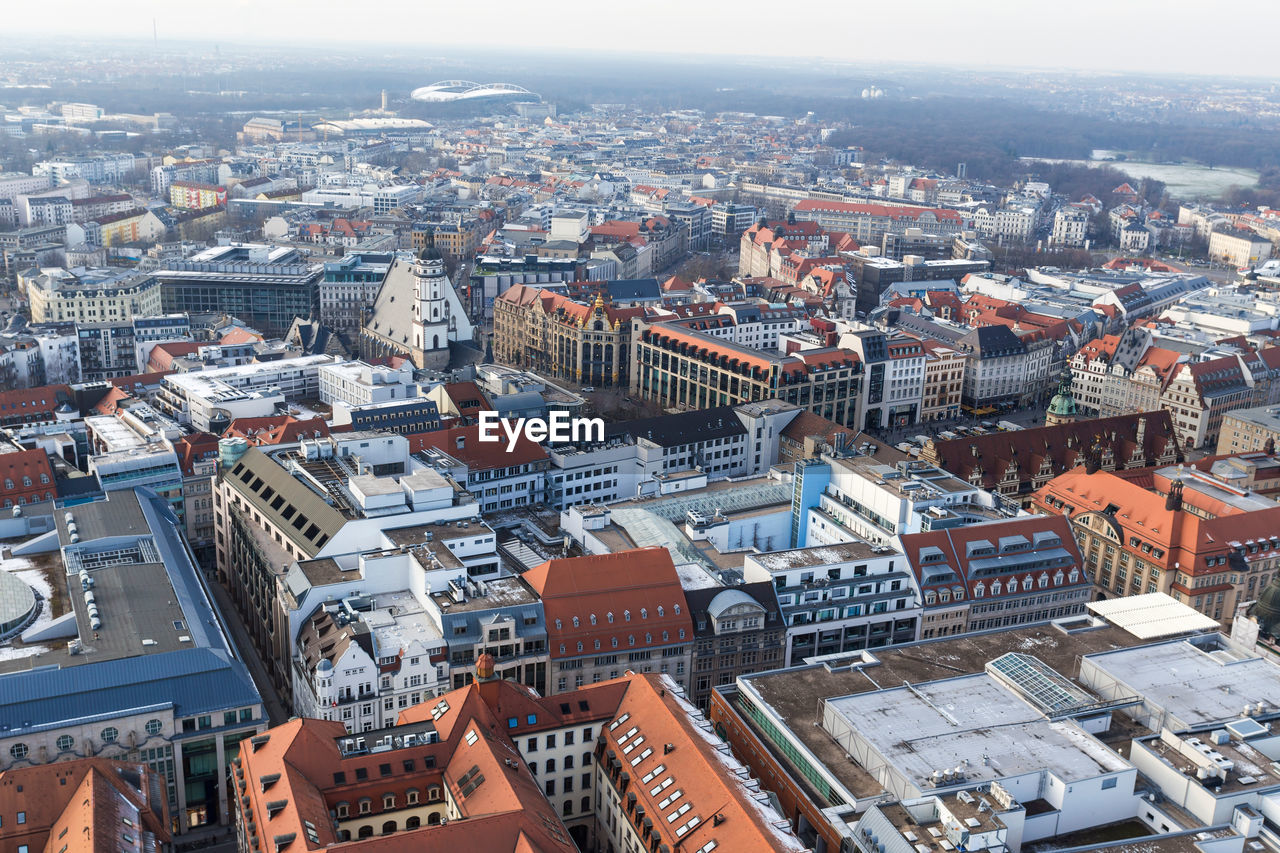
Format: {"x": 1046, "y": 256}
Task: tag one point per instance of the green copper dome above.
{"x": 1267, "y": 608}
{"x": 1063, "y": 404}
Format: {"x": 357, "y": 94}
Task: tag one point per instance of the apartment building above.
{"x": 190, "y": 195}
{"x": 269, "y": 512}
{"x": 1070, "y": 226}
{"x": 608, "y": 614}
{"x": 349, "y": 286}
{"x": 1247, "y": 430}
{"x": 867, "y": 223}
{"x": 893, "y": 371}
{"x": 91, "y": 296}
{"x": 940, "y": 391}
{"x": 840, "y": 598}
{"x": 997, "y": 575}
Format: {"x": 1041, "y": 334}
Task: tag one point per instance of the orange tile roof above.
{"x": 627, "y": 600}
{"x": 276, "y": 429}
{"x": 670, "y": 743}
{"x": 463, "y": 443}
{"x": 87, "y": 798}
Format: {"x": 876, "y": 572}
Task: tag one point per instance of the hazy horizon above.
{"x": 1093, "y": 36}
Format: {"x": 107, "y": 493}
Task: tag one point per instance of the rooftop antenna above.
{"x": 155, "y": 33}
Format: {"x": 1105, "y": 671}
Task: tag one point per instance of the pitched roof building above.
{"x": 994, "y": 575}
{"x": 1182, "y": 532}
{"x": 609, "y": 613}
{"x": 1017, "y": 462}
{"x": 100, "y": 804}
{"x": 26, "y": 477}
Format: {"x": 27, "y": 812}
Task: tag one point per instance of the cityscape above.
{"x": 547, "y": 431}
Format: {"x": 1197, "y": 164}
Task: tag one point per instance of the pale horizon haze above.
{"x": 1142, "y": 36}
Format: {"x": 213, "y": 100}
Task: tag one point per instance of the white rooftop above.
{"x": 1153, "y": 616}
{"x": 1198, "y": 682}
{"x": 959, "y": 722}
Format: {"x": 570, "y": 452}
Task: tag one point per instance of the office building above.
{"x": 264, "y": 286}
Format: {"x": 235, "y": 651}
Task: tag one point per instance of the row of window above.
{"x": 65, "y": 743}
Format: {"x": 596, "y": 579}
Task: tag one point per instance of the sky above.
{"x": 1155, "y": 36}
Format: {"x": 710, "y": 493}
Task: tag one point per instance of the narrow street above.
{"x": 277, "y": 711}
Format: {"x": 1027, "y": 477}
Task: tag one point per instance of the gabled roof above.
{"x": 276, "y": 429}
{"x": 628, "y": 600}
{"x": 665, "y": 750}
{"x": 463, "y": 443}
{"x": 1145, "y": 436}
{"x": 21, "y": 465}
{"x": 89, "y": 797}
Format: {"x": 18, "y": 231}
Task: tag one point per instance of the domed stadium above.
{"x": 18, "y": 604}
{"x": 457, "y": 91}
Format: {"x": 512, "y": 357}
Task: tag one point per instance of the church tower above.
{"x": 1062, "y": 408}
{"x": 430, "y": 306}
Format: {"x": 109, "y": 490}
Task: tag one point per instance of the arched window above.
{"x": 626, "y": 614}
{"x": 648, "y": 637}
{"x": 666, "y": 636}
{"x": 676, "y": 608}
{"x": 568, "y": 808}
{"x": 682, "y": 633}
{"x": 631, "y": 639}
{"x": 365, "y": 831}
{"x": 597, "y": 645}
{"x": 551, "y": 765}
{"x": 433, "y": 794}
{"x": 413, "y": 822}
{"x": 433, "y": 819}
{"x": 343, "y": 809}
{"x": 593, "y": 619}
{"x": 615, "y": 642}
{"x": 388, "y": 827}
{"x": 644, "y": 613}
{"x": 388, "y": 801}
{"x": 366, "y": 805}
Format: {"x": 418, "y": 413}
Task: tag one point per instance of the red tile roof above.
{"x": 276, "y": 429}
{"x": 30, "y": 474}
{"x": 24, "y": 405}
{"x": 463, "y": 443}
{"x": 656, "y": 738}
{"x": 628, "y": 600}
{"x": 85, "y": 798}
